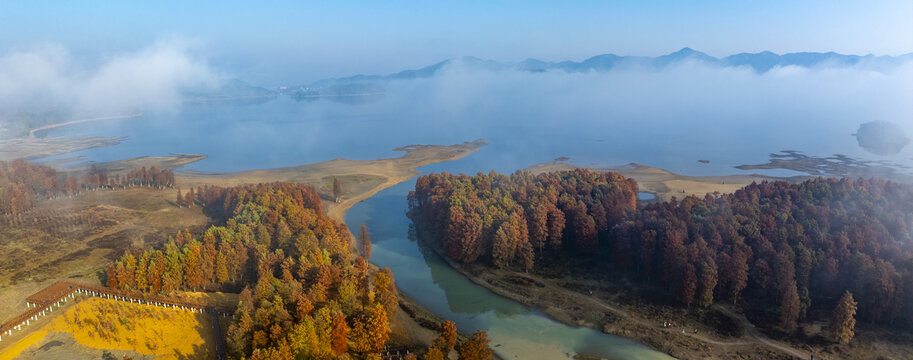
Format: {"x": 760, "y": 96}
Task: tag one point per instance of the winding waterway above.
{"x": 515, "y": 331}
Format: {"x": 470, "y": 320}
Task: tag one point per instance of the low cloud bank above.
{"x": 148, "y": 79}
{"x": 674, "y": 115}
{"x": 687, "y": 94}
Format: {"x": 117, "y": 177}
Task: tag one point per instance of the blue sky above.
{"x": 293, "y": 42}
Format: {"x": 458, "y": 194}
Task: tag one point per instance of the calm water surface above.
{"x": 284, "y": 132}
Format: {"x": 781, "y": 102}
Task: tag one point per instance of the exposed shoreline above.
{"x": 35, "y": 148}
{"x": 51, "y": 126}
{"x": 666, "y": 184}
{"x": 636, "y": 328}
{"x": 31, "y": 147}
{"x": 366, "y": 177}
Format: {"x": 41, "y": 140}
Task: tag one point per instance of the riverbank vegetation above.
{"x": 793, "y": 249}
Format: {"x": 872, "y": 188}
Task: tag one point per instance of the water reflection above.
{"x": 465, "y": 298}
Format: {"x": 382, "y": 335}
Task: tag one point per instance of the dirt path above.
{"x": 217, "y": 331}
{"x": 51, "y": 126}
{"x": 753, "y": 331}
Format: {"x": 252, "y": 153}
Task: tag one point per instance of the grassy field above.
{"x": 75, "y": 237}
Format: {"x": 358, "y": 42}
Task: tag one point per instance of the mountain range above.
{"x": 759, "y": 62}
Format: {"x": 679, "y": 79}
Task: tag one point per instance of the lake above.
{"x": 528, "y": 120}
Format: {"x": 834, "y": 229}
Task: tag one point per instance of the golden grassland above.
{"x": 108, "y": 324}
{"x": 30, "y": 340}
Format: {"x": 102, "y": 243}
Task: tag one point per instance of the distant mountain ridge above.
{"x": 759, "y": 62}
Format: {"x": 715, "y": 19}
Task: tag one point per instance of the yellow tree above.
{"x": 434, "y": 353}
{"x": 385, "y": 290}
{"x": 221, "y": 268}
{"x": 141, "y": 269}
{"x": 370, "y": 331}
{"x": 476, "y": 347}
{"x": 447, "y": 340}
{"x": 378, "y": 328}
{"x": 844, "y": 318}
{"x": 193, "y": 272}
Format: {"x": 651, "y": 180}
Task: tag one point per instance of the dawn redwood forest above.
{"x": 304, "y": 293}
{"x": 825, "y": 249}
{"x": 513, "y": 220}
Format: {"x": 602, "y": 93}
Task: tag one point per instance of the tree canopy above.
{"x": 304, "y": 293}
{"x": 791, "y": 248}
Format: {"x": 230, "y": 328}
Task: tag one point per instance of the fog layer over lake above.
{"x": 668, "y": 118}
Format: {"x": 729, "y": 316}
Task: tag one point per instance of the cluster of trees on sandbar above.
{"x": 513, "y": 220}
{"x": 305, "y": 295}
{"x": 793, "y": 249}
{"x": 97, "y": 178}
{"x": 22, "y": 183}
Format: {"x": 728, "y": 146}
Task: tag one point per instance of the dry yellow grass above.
{"x": 108, "y": 324}
{"x": 13, "y": 351}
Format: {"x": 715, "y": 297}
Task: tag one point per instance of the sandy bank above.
{"x": 73, "y": 122}
{"x": 665, "y": 184}
{"x": 33, "y": 148}
{"x": 363, "y": 178}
